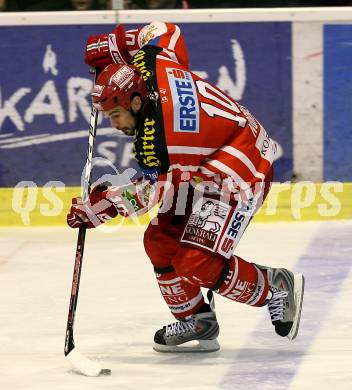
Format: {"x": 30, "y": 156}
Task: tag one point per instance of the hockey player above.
{"x": 208, "y": 161}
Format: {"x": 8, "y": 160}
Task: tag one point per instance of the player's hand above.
{"x": 95, "y": 211}
{"x": 105, "y": 49}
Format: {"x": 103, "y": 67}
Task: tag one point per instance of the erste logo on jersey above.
{"x": 185, "y": 101}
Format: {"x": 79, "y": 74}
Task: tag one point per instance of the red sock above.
{"x": 183, "y": 298}
{"x": 245, "y": 283}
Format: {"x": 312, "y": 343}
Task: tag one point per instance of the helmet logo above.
{"x": 123, "y": 76}
{"x": 115, "y": 86}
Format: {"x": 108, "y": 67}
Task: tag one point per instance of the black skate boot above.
{"x": 196, "y": 333}
{"x": 285, "y": 303}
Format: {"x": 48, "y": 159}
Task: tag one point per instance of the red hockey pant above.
{"x": 182, "y": 270}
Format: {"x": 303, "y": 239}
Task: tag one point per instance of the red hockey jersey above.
{"x": 205, "y": 132}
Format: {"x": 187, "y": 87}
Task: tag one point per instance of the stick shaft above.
{"x": 69, "y": 339}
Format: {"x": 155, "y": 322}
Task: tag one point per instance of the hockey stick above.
{"x": 79, "y": 361}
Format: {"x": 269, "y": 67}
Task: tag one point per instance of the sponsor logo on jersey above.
{"x": 131, "y": 199}
{"x": 253, "y": 124}
{"x": 139, "y": 62}
{"x": 266, "y": 146}
{"x": 236, "y": 227}
{"x": 148, "y": 34}
{"x": 148, "y": 153}
{"x": 185, "y": 101}
{"x": 205, "y": 223}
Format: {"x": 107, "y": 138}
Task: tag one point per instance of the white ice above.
{"x": 120, "y": 308}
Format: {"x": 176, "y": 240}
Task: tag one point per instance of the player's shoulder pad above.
{"x": 151, "y": 32}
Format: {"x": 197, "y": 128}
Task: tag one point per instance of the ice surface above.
{"x": 120, "y": 307}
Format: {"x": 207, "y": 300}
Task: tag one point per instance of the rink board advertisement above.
{"x": 45, "y": 85}
{"x": 337, "y": 102}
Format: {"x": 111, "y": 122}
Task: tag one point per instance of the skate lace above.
{"x": 179, "y": 327}
{"x": 276, "y": 305}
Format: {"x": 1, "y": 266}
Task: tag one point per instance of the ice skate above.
{"x": 285, "y": 304}
{"x": 197, "y": 333}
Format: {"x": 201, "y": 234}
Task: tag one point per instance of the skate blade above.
{"x": 299, "y": 292}
{"x": 200, "y": 346}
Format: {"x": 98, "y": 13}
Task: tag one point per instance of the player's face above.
{"x": 122, "y": 119}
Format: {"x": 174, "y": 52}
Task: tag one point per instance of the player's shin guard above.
{"x": 183, "y": 298}
{"x": 243, "y": 282}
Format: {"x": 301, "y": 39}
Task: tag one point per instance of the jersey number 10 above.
{"x": 211, "y": 93}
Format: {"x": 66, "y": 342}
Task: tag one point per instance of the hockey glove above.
{"x": 105, "y": 49}
{"x": 95, "y": 211}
